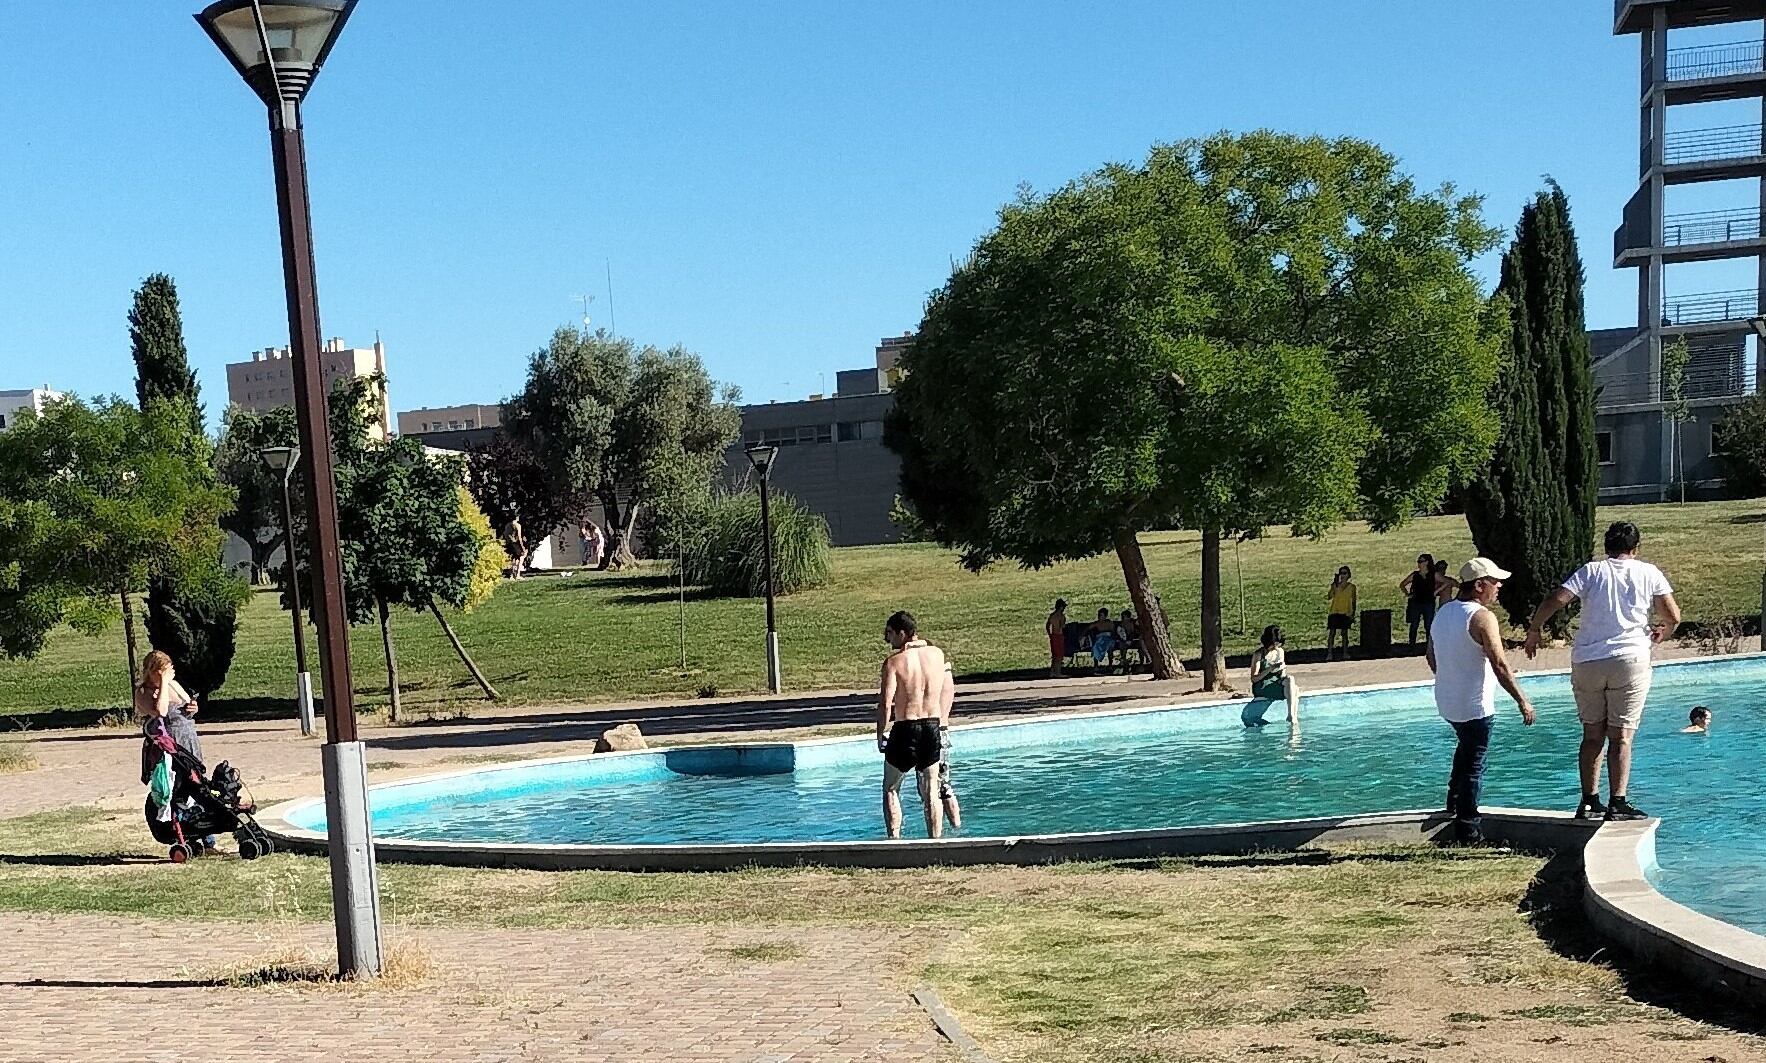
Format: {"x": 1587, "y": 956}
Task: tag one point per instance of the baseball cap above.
{"x": 1482, "y": 568}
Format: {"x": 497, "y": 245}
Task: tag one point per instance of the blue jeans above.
{"x": 1468, "y": 775}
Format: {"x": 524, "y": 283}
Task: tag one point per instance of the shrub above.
{"x": 724, "y": 553}
{"x": 1744, "y": 447}
{"x": 193, "y": 616}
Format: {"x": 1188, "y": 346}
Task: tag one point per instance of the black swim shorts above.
{"x": 1339, "y": 622}
{"x": 913, "y": 745}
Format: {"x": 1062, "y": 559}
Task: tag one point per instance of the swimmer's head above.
{"x": 1272, "y": 636}
{"x": 1699, "y": 716}
{"x": 900, "y": 628}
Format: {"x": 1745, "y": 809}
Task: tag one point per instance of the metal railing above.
{"x": 1711, "y": 306}
{"x": 1706, "y": 145}
{"x": 1716, "y": 60}
{"x": 1716, "y": 382}
{"x": 1711, "y": 227}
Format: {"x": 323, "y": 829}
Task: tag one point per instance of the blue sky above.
{"x": 776, "y": 185}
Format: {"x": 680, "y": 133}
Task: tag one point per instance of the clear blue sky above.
{"x": 777, "y": 185}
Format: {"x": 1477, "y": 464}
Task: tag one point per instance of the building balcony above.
{"x": 1697, "y": 237}
{"x": 1731, "y": 71}
{"x": 1709, "y": 307}
{"x": 1720, "y": 153}
{"x": 1638, "y": 16}
{"x": 1716, "y": 371}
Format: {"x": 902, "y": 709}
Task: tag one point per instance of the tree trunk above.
{"x": 1155, "y": 633}
{"x": 619, "y": 523}
{"x": 1239, "y": 564}
{"x": 465, "y": 658}
{"x": 260, "y": 558}
{"x": 129, "y": 643}
{"x": 392, "y": 663}
{"x": 1213, "y": 658}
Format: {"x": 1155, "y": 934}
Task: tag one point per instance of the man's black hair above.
{"x": 902, "y": 623}
{"x": 1622, "y": 538}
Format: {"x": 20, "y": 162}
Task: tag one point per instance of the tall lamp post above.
{"x": 277, "y": 46}
{"x": 1758, "y": 323}
{"x": 281, "y": 460}
{"x": 762, "y": 459}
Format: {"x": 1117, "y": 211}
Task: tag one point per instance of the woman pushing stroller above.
{"x": 185, "y": 807}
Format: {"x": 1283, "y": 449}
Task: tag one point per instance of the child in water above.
{"x": 1698, "y": 721}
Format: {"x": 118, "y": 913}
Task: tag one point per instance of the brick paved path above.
{"x": 89, "y": 989}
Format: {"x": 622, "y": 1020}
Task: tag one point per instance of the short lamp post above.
{"x": 282, "y": 461}
{"x": 762, "y": 459}
{"x": 278, "y": 46}
{"x": 1758, "y": 323}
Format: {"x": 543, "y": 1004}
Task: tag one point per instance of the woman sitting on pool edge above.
{"x": 1270, "y": 680}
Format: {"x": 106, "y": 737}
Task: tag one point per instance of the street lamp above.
{"x": 762, "y": 459}
{"x": 1758, "y": 324}
{"x": 277, "y": 46}
{"x": 282, "y": 460}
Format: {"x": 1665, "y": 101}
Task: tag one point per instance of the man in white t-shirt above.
{"x": 1466, "y": 654}
{"x": 1610, "y": 661}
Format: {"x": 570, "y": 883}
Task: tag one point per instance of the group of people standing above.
{"x": 1622, "y": 600}
{"x": 1425, "y": 589}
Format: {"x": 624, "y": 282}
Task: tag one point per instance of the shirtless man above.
{"x": 910, "y": 706}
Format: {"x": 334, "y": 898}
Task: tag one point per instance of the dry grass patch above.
{"x": 406, "y": 965}
{"x": 14, "y": 756}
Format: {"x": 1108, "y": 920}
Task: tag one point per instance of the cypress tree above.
{"x": 1532, "y": 510}
{"x": 191, "y": 615}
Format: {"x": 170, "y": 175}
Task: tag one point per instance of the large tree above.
{"x": 95, "y": 501}
{"x": 635, "y": 428}
{"x": 1532, "y": 507}
{"x": 1209, "y": 341}
{"x": 509, "y": 482}
{"x": 193, "y": 609}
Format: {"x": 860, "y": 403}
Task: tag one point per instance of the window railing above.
{"x": 1711, "y": 227}
{"x": 1710, "y": 306}
{"x": 1707, "y": 145}
{"x": 1716, "y": 60}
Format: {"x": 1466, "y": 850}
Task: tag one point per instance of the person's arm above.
{"x": 950, "y": 695}
{"x": 885, "y": 698}
{"x": 185, "y": 696}
{"x": 1669, "y": 610}
{"x": 1488, "y": 636}
{"x": 1354, "y": 599}
{"x": 1429, "y": 655}
{"x": 162, "y": 701}
{"x": 1405, "y": 584}
{"x": 1549, "y": 608}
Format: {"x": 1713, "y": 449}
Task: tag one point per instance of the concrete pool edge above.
{"x": 1625, "y": 907}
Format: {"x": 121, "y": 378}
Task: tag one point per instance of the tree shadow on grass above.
{"x": 79, "y": 860}
{"x": 1553, "y": 903}
{"x": 1749, "y": 518}
{"x": 116, "y": 983}
{"x": 218, "y": 710}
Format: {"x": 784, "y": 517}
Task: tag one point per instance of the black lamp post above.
{"x": 281, "y": 460}
{"x": 762, "y": 459}
{"x": 277, "y": 46}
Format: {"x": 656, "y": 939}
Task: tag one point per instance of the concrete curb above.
{"x": 948, "y": 1027}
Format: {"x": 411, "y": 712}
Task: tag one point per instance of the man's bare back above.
{"x": 914, "y": 679}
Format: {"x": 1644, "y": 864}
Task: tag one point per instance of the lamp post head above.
{"x": 762, "y": 458}
{"x": 299, "y": 35}
{"x": 280, "y": 459}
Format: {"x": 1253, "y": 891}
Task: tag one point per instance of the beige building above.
{"x": 14, "y": 403}
{"x": 267, "y": 381}
{"x": 449, "y": 419}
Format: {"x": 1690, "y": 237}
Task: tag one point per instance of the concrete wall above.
{"x": 851, "y": 479}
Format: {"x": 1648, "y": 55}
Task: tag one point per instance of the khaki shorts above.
{"x": 1610, "y": 692}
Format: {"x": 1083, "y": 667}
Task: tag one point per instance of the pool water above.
{"x": 1357, "y": 752}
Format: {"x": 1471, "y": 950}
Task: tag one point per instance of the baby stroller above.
{"x": 202, "y": 804}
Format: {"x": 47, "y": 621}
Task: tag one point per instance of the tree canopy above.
{"x": 1208, "y": 341}
{"x": 94, "y": 501}
{"x": 1532, "y": 506}
{"x": 630, "y": 426}
{"x": 156, "y": 340}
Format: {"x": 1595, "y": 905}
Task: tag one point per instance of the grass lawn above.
{"x": 604, "y": 637}
{"x": 1404, "y": 953}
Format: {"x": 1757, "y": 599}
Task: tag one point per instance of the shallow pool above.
{"x": 1372, "y": 751}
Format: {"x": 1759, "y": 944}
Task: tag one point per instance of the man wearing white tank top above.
{"x": 1466, "y": 655}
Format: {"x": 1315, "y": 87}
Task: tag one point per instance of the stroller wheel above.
{"x": 265, "y": 845}
{"x": 179, "y": 854}
{"x": 249, "y": 850}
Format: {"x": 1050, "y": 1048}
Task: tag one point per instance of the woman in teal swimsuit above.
{"x": 1270, "y": 680}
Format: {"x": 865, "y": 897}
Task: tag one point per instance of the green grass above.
{"x": 604, "y": 637}
{"x": 1081, "y": 961}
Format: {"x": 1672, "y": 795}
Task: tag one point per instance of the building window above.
{"x": 469, "y": 423}
{"x": 848, "y": 431}
{"x": 1603, "y": 444}
{"x": 1719, "y": 445}
{"x": 453, "y": 426}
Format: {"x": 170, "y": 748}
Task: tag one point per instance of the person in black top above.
{"x": 1419, "y": 594}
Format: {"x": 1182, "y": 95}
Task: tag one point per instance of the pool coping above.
{"x": 1617, "y": 898}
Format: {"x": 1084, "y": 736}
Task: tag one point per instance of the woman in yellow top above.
{"x": 1341, "y": 617}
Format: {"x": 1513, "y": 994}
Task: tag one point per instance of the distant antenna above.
{"x": 586, "y": 300}
{"x": 612, "y": 325}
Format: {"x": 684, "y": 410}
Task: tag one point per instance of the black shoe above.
{"x": 1591, "y": 808}
{"x": 1623, "y": 809}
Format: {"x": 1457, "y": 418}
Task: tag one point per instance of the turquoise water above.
{"x": 1368, "y": 752}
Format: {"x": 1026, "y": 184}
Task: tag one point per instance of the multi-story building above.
{"x": 451, "y": 427}
{"x": 831, "y": 453}
{"x": 1643, "y": 450}
{"x": 267, "y": 380}
{"x": 14, "y": 403}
